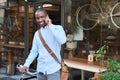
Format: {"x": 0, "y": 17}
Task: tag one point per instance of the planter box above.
{"x": 71, "y": 45}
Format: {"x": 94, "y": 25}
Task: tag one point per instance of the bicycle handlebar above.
{"x": 18, "y": 66}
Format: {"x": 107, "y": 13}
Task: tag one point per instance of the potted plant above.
{"x": 70, "y": 36}
{"x": 75, "y": 34}
{"x": 113, "y": 72}
{"x": 76, "y": 31}
{"x": 100, "y": 54}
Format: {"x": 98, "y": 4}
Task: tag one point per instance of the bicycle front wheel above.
{"x": 87, "y": 16}
{"x": 115, "y": 15}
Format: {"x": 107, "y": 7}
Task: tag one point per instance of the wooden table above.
{"x": 9, "y": 48}
{"x": 84, "y": 65}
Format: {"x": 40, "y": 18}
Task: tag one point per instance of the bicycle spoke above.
{"x": 94, "y": 20}
{"x": 92, "y": 17}
{"x": 94, "y": 14}
{"x": 116, "y": 14}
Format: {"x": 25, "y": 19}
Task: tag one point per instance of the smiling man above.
{"x": 47, "y": 67}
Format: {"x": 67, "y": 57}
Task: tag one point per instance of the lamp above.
{"x": 47, "y": 5}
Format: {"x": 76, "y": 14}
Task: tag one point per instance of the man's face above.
{"x": 40, "y": 18}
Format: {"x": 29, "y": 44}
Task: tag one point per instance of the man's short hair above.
{"x": 40, "y": 10}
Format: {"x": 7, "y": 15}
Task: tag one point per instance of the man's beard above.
{"x": 42, "y": 25}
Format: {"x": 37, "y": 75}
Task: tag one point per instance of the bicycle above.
{"x": 94, "y": 14}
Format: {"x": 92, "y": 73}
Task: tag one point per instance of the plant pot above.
{"x": 71, "y": 45}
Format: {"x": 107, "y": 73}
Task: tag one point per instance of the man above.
{"x": 47, "y": 67}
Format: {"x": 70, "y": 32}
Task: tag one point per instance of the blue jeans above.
{"x": 54, "y": 76}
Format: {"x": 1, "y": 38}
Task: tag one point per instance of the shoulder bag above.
{"x": 64, "y": 70}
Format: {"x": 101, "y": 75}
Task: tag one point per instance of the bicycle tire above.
{"x": 79, "y": 9}
{"x": 112, "y": 15}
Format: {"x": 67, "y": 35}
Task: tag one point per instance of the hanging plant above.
{"x": 74, "y": 27}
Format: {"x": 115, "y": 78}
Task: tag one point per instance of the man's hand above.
{"x": 48, "y": 21}
{"x": 23, "y": 69}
